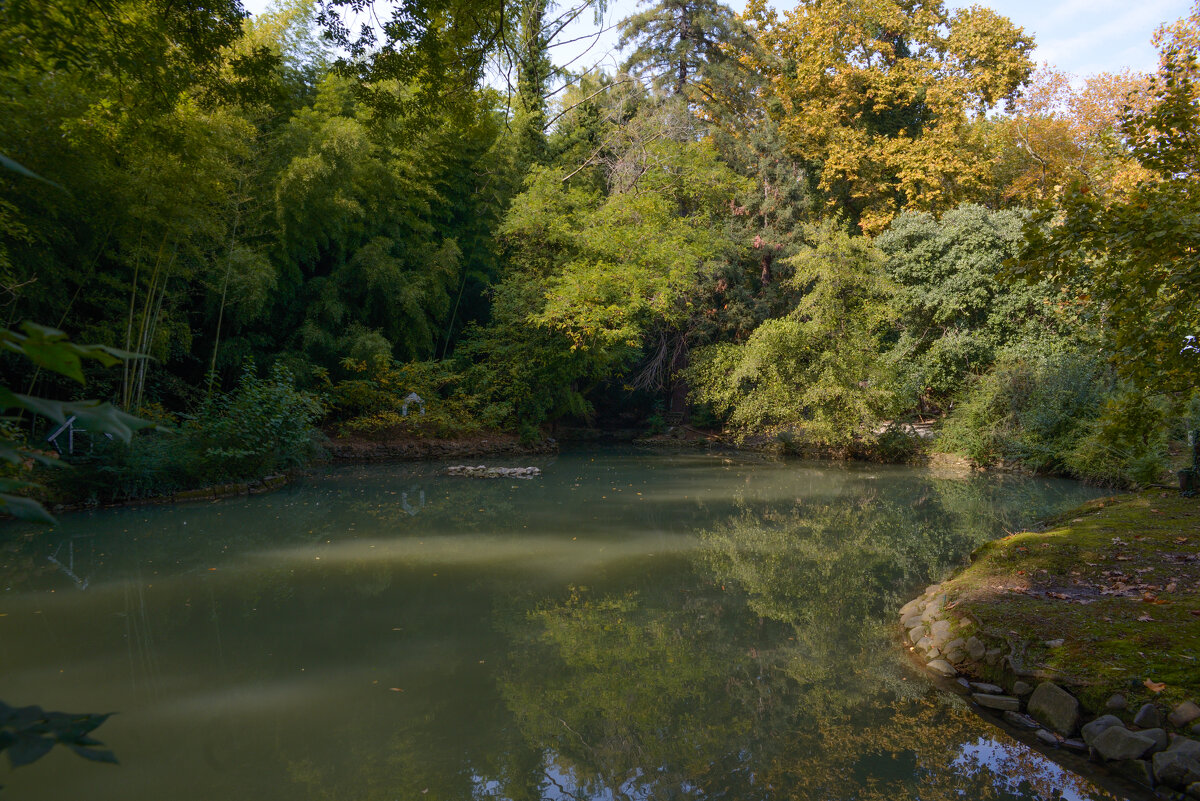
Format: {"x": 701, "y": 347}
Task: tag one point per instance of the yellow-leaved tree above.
{"x": 879, "y": 96}
{"x": 1061, "y": 133}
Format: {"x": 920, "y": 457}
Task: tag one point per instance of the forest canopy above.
{"x": 831, "y": 223}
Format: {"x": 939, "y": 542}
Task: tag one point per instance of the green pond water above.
{"x": 630, "y": 625}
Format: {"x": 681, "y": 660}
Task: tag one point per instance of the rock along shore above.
{"x": 1155, "y": 747}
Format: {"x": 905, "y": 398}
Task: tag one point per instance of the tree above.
{"x": 682, "y": 44}
{"x": 957, "y": 309}
{"x": 525, "y": 49}
{"x": 1136, "y": 255}
{"x": 152, "y": 50}
{"x": 534, "y": 70}
{"x": 820, "y": 367}
{"x": 438, "y": 47}
{"x": 1058, "y": 134}
{"x": 879, "y": 95}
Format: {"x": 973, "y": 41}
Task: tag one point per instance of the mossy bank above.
{"x": 1089, "y": 624}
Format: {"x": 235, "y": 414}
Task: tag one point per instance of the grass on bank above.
{"x": 1118, "y": 580}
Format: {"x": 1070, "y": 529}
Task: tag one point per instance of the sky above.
{"x": 1082, "y": 37}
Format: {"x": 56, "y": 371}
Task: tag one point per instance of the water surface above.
{"x": 628, "y": 626}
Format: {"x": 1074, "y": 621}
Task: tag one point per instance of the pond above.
{"x": 630, "y": 625}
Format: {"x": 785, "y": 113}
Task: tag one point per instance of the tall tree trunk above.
{"x": 685, "y": 34}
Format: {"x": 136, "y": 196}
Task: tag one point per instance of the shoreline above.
{"x": 367, "y": 450}
{"x": 348, "y": 451}
{"x": 1039, "y": 651}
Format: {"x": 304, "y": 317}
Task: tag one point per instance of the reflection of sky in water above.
{"x": 1011, "y": 768}
{"x": 1016, "y": 769}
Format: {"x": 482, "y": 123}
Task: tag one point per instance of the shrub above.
{"x": 1126, "y": 443}
{"x": 264, "y": 426}
{"x": 1029, "y": 408}
{"x": 819, "y": 368}
{"x": 1062, "y": 412}
{"x": 371, "y": 402}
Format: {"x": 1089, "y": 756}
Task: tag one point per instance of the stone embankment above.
{"x": 482, "y": 471}
{"x": 212, "y": 493}
{"x": 359, "y": 449}
{"x": 1157, "y": 748}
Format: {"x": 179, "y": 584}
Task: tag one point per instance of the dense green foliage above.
{"x": 1136, "y": 256}
{"x": 955, "y": 310}
{"x": 363, "y": 212}
{"x": 264, "y": 426}
{"x": 821, "y": 366}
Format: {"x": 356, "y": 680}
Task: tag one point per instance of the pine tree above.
{"x": 681, "y": 43}
{"x": 534, "y": 72}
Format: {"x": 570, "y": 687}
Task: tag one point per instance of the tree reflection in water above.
{"x": 771, "y": 677}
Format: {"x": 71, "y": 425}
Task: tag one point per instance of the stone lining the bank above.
{"x": 232, "y": 490}
{"x": 357, "y": 449}
{"x": 1154, "y": 750}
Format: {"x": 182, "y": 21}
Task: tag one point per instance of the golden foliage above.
{"x": 880, "y": 95}
{"x": 1060, "y": 133}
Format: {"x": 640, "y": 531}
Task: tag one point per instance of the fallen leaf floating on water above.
{"x": 1154, "y": 686}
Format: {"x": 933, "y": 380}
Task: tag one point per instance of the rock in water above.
{"x": 1179, "y": 765}
{"x": 1005, "y": 703}
{"x": 1094, "y": 729}
{"x": 943, "y": 668}
{"x": 1046, "y": 737}
{"x": 984, "y": 687}
{"x": 1018, "y": 719}
{"x": 482, "y": 471}
{"x": 1055, "y": 707}
{"x": 1117, "y": 742}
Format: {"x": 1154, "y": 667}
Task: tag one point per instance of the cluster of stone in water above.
{"x": 482, "y": 471}
{"x": 1145, "y": 752}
